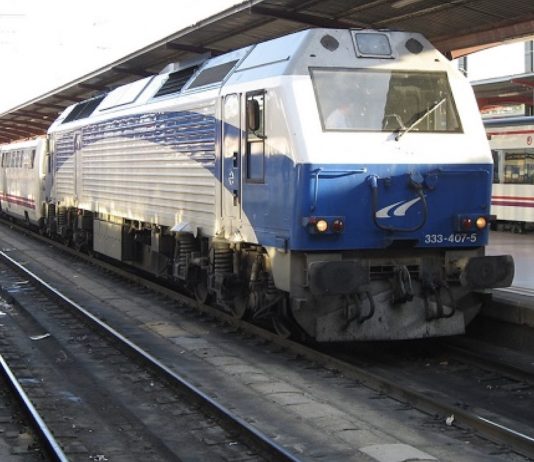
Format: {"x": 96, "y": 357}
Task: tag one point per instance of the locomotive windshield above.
{"x": 390, "y": 101}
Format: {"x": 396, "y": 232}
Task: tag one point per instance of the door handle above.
{"x": 235, "y": 158}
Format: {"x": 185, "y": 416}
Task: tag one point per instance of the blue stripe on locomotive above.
{"x": 278, "y": 208}
{"x": 191, "y": 133}
{"x": 331, "y": 190}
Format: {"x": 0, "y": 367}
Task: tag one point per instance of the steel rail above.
{"x": 52, "y": 447}
{"x": 424, "y": 401}
{"x": 251, "y": 433}
{"x": 462, "y": 353}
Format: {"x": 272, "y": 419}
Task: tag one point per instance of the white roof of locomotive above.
{"x": 291, "y": 54}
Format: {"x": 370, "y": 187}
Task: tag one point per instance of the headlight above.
{"x": 324, "y": 225}
{"x": 321, "y": 225}
{"x": 481, "y": 222}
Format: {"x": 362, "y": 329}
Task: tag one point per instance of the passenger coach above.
{"x": 24, "y": 189}
{"x": 512, "y": 145}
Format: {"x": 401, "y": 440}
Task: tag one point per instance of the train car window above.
{"x": 255, "y": 152}
{"x": 28, "y": 159}
{"x": 519, "y": 166}
{"x": 213, "y": 74}
{"x": 385, "y": 100}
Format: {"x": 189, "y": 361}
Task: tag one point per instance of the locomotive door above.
{"x": 77, "y": 165}
{"x": 231, "y": 157}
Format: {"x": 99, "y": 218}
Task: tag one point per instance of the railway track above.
{"x": 50, "y": 444}
{"x": 412, "y": 395}
{"x": 28, "y": 290}
{"x": 515, "y": 366}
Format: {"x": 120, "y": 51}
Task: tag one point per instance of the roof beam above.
{"x": 498, "y": 33}
{"x": 74, "y": 99}
{"x": 303, "y": 18}
{"x": 51, "y": 105}
{"x": 36, "y": 115}
{"x": 192, "y": 48}
{"x": 92, "y": 86}
{"x": 24, "y": 133}
{"x": 523, "y": 82}
{"x": 24, "y": 123}
{"x": 130, "y": 71}
{"x": 418, "y": 12}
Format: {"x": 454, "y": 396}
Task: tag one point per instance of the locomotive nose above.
{"x": 396, "y": 188}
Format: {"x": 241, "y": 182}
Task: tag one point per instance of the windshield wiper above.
{"x": 429, "y": 111}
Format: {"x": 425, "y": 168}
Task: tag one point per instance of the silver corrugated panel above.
{"x": 64, "y": 167}
{"x": 150, "y": 167}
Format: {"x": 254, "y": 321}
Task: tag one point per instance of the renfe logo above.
{"x": 399, "y": 208}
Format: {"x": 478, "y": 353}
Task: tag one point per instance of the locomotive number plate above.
{"x": 454, "y": 238}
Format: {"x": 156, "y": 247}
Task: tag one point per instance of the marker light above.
{"x": 338, "y": 226}
{"x": 481, "y": 222}
{"x": 467, "y": 223}
{"x": 321, "y": 225}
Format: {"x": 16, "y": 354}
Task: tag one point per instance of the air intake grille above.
{"x": 83, "y": 109}
{"x": 176, "y": 81}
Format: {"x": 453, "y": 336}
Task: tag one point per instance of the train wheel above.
{"x": 282, "y": 327}
{"x": 239, "y": 307}
{"x": 201, "y": 291}
{"x": 283, "y": 323}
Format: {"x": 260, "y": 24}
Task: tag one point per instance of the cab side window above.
{"x": 255, "y": 151}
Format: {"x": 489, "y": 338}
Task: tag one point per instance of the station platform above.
{"x": 514, "y": 305}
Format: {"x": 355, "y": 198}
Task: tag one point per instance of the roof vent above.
{"x": 83, "y": 109}
{"x": 213, "y": 74}
{"x": 176, "y": 81}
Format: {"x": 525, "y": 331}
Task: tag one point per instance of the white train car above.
{"x": 23, "y": 191}
{"x": 512, "y": 144}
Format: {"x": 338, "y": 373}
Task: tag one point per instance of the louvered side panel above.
{"x": 157, "y": 167}
{"x": 64, "y": 168}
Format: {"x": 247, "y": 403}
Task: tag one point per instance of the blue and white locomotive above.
{"x": 336, "y": 182}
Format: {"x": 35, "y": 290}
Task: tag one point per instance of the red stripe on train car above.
{"x": 513, "y": 204}
{"x": 18, "y": 200}
{"x": 513, "y": 198}
{"x": 512, "y": 132}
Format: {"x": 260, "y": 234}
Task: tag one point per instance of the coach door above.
{"x": 231, "y": 157}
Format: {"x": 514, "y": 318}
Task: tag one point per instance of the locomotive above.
{"x": 334, "y": 182}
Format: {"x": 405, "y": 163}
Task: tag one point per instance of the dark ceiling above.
{"x": 455, "y": 27}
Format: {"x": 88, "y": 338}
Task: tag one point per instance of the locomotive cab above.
{"x": 378, "y": 161}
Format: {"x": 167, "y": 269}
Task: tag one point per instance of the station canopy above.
{"x": 504, "y": 91}
{"x": 455, "y": 27}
